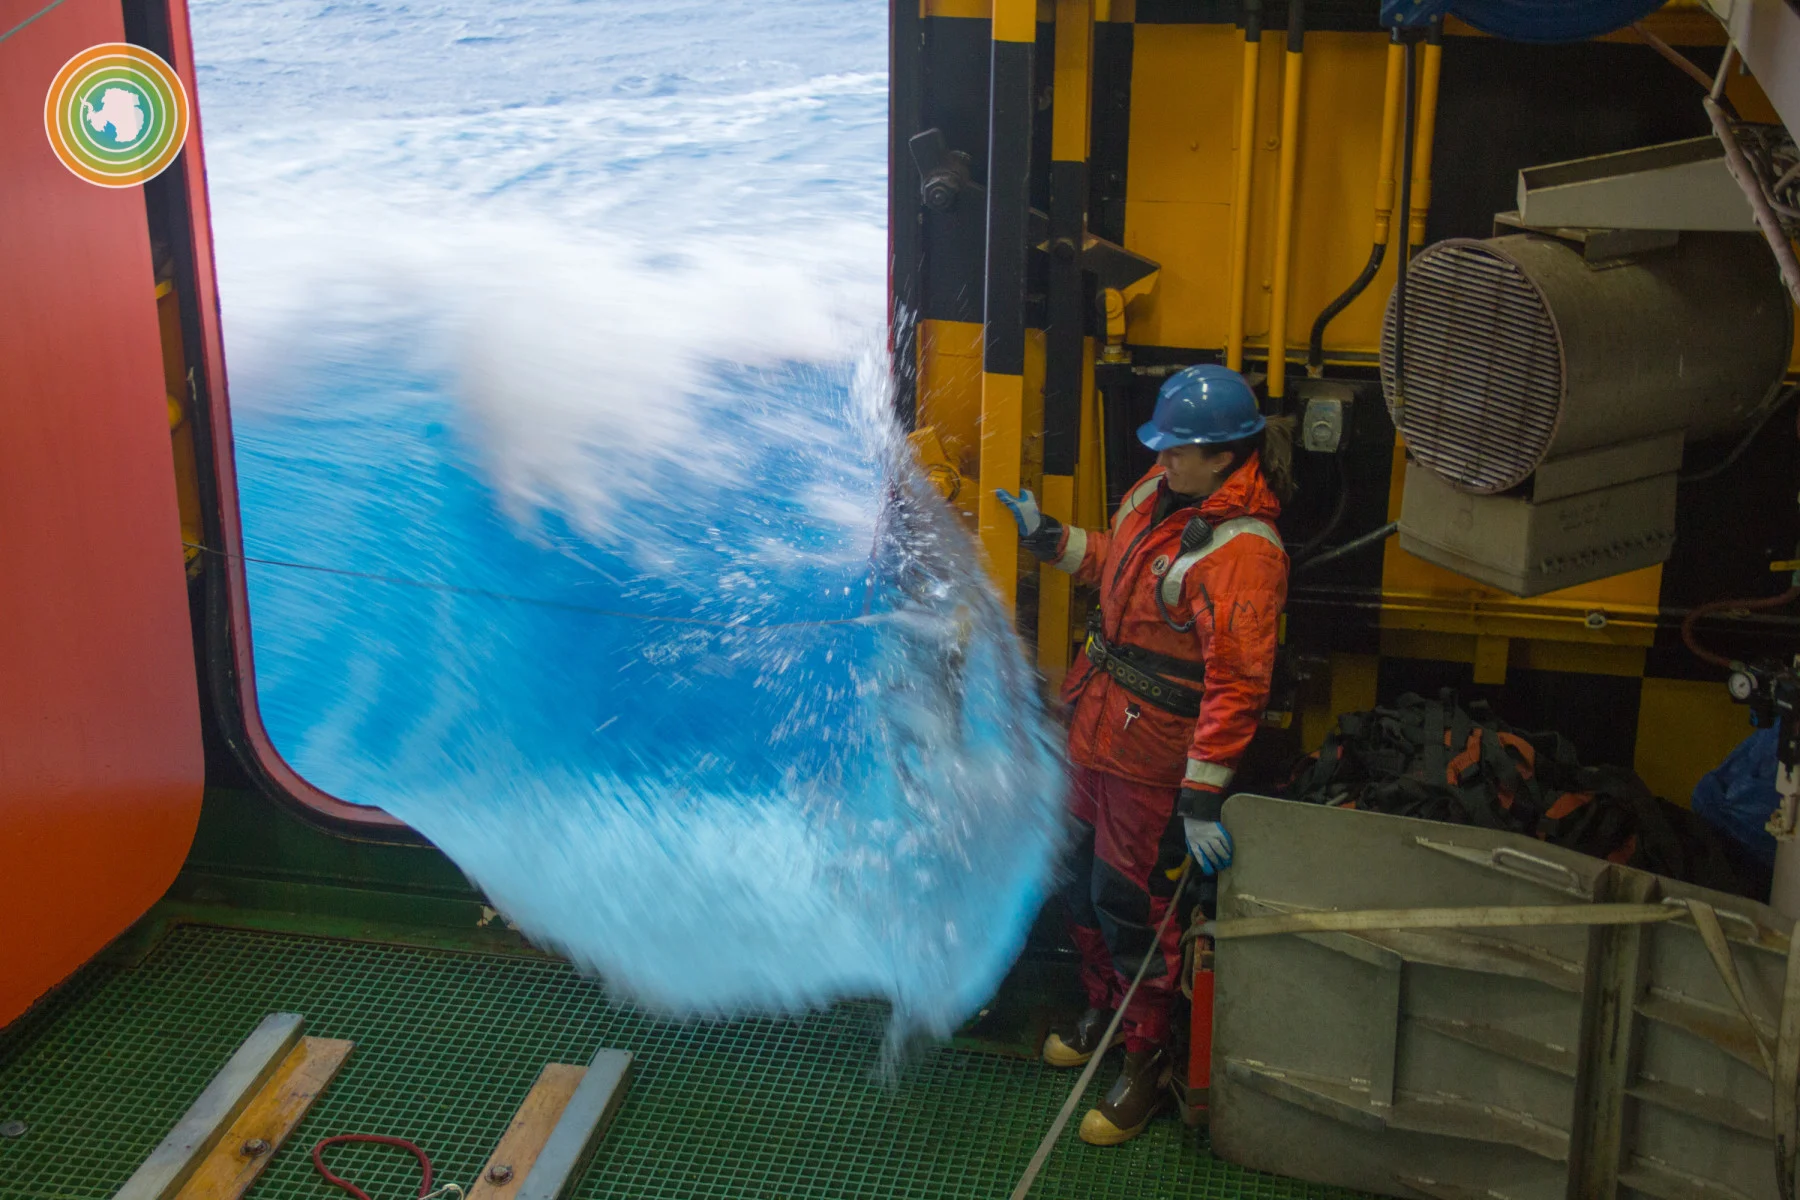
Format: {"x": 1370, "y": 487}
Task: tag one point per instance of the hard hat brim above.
{"x": 1160, "y": 440}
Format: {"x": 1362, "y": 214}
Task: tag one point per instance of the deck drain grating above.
{"x": 449, "y": 1043}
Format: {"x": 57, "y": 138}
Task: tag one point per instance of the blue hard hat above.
{"x": 1202, "y": 406}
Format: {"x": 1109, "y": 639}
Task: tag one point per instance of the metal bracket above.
{"x": 946, "y": 176}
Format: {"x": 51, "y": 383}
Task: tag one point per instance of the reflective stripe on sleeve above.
{"x": 1074, "y": 550}
{"x": 1208, "y": 775}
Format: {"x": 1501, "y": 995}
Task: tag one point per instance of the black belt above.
{"x": 1142, "y": 673}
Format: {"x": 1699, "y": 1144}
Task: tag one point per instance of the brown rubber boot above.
{"x": 1073, "y": 1048}
{"x": 1139, "y": 1093}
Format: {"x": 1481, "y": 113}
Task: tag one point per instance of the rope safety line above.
{"x": 1042, "y": 1155}
{"x": 449, "y": 1190}
{"x": 42, "y": 12}
{"x": 562, "y": 605}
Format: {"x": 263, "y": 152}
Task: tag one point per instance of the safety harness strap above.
{"x": 1144, "y": 673}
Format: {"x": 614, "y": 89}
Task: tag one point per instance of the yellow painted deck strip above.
{"x": 227, "y": 1172}
{"x": 531, "y": 1126}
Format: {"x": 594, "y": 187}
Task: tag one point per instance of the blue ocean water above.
{"x": 571, "y": 312}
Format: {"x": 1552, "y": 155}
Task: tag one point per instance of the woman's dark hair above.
{"x": 1276, "y": 445}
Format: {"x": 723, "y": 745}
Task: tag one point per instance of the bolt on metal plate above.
{"x": 499, "y": 1173}
{"x": 255, "y": 1148}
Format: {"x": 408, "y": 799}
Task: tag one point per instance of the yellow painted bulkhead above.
{"x": 1184, "y": 157}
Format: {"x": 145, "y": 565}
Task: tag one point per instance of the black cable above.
{"x": 1167, "y": 616}
{"x": 1372, "y": 538}
{"x": 1737, "y": 452}
{"x": 1311, "y": 545}
{"x": 1315, "y": 352}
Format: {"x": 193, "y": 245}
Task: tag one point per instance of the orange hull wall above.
{"x": 100, "y": 758}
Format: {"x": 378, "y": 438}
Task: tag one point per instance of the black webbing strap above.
{"x": 1144, "y": 674}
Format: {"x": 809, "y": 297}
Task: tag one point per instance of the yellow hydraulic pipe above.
{"x": 1427, "y": 132}
{"x": 1390, "y": 140}
{"x": 1285, "y": 187}
{"x": 1240, "y": 202}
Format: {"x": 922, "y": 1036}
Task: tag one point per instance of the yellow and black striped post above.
{"x": 1010, "y": 106}
{"x": 1066, "y": 353}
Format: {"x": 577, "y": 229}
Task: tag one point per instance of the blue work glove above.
{"x": 1209, "y": 844}
{"x": 1039, "y": 533}
{"x": 1024, "y": 510}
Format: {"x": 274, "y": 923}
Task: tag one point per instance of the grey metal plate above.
{"x": 1496, "y": 1064}
{"x": 230, "y": 1091}
{"x": 577, "y": 1134}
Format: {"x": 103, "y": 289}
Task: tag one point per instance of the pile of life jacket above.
{"x": 1439, "y": 761}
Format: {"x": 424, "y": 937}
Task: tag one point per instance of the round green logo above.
{"x": 116, "y": 114}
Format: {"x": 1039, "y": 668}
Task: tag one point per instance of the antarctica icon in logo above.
{"x": 116, "y": 115}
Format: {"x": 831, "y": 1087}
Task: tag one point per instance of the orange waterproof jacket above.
{"x": 1232, "y": 591}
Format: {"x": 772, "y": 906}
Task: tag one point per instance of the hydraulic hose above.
{"x": 1287, "y": 183}
{"x": 1354, "y": 546}
{"x": 1240, "y": 203}
{"x": 1339, "y": 510}
{"x": 1315, "y": 353}
{"x": 1778, "y": 398}
{"x": 1764, "y": 604}
{"x": 1406, "y": 150}
{"x": 1384, "y": 206}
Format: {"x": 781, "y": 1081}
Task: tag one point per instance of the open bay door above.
{"x": 100, "y": 757}
{"x": 1509, "y": 1062}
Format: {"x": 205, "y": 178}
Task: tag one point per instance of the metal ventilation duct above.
{"x": 1518, "y": 349}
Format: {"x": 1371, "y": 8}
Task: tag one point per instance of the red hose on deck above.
{"x": 339, "y": 1181}
{"x": 1712, "y": 606}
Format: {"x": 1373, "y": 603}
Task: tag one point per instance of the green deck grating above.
{"x": 447, "y": 1044}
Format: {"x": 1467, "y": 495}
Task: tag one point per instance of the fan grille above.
{"x": 1483, "y": 367}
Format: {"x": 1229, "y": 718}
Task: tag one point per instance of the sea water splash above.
{"x": 569, "y": 311}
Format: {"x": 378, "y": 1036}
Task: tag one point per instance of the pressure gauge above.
{"x": 1741, "y": 685}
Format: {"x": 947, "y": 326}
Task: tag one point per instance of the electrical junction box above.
{"x": 1577, "y": 519}
{"x": 1324, "y": 414}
